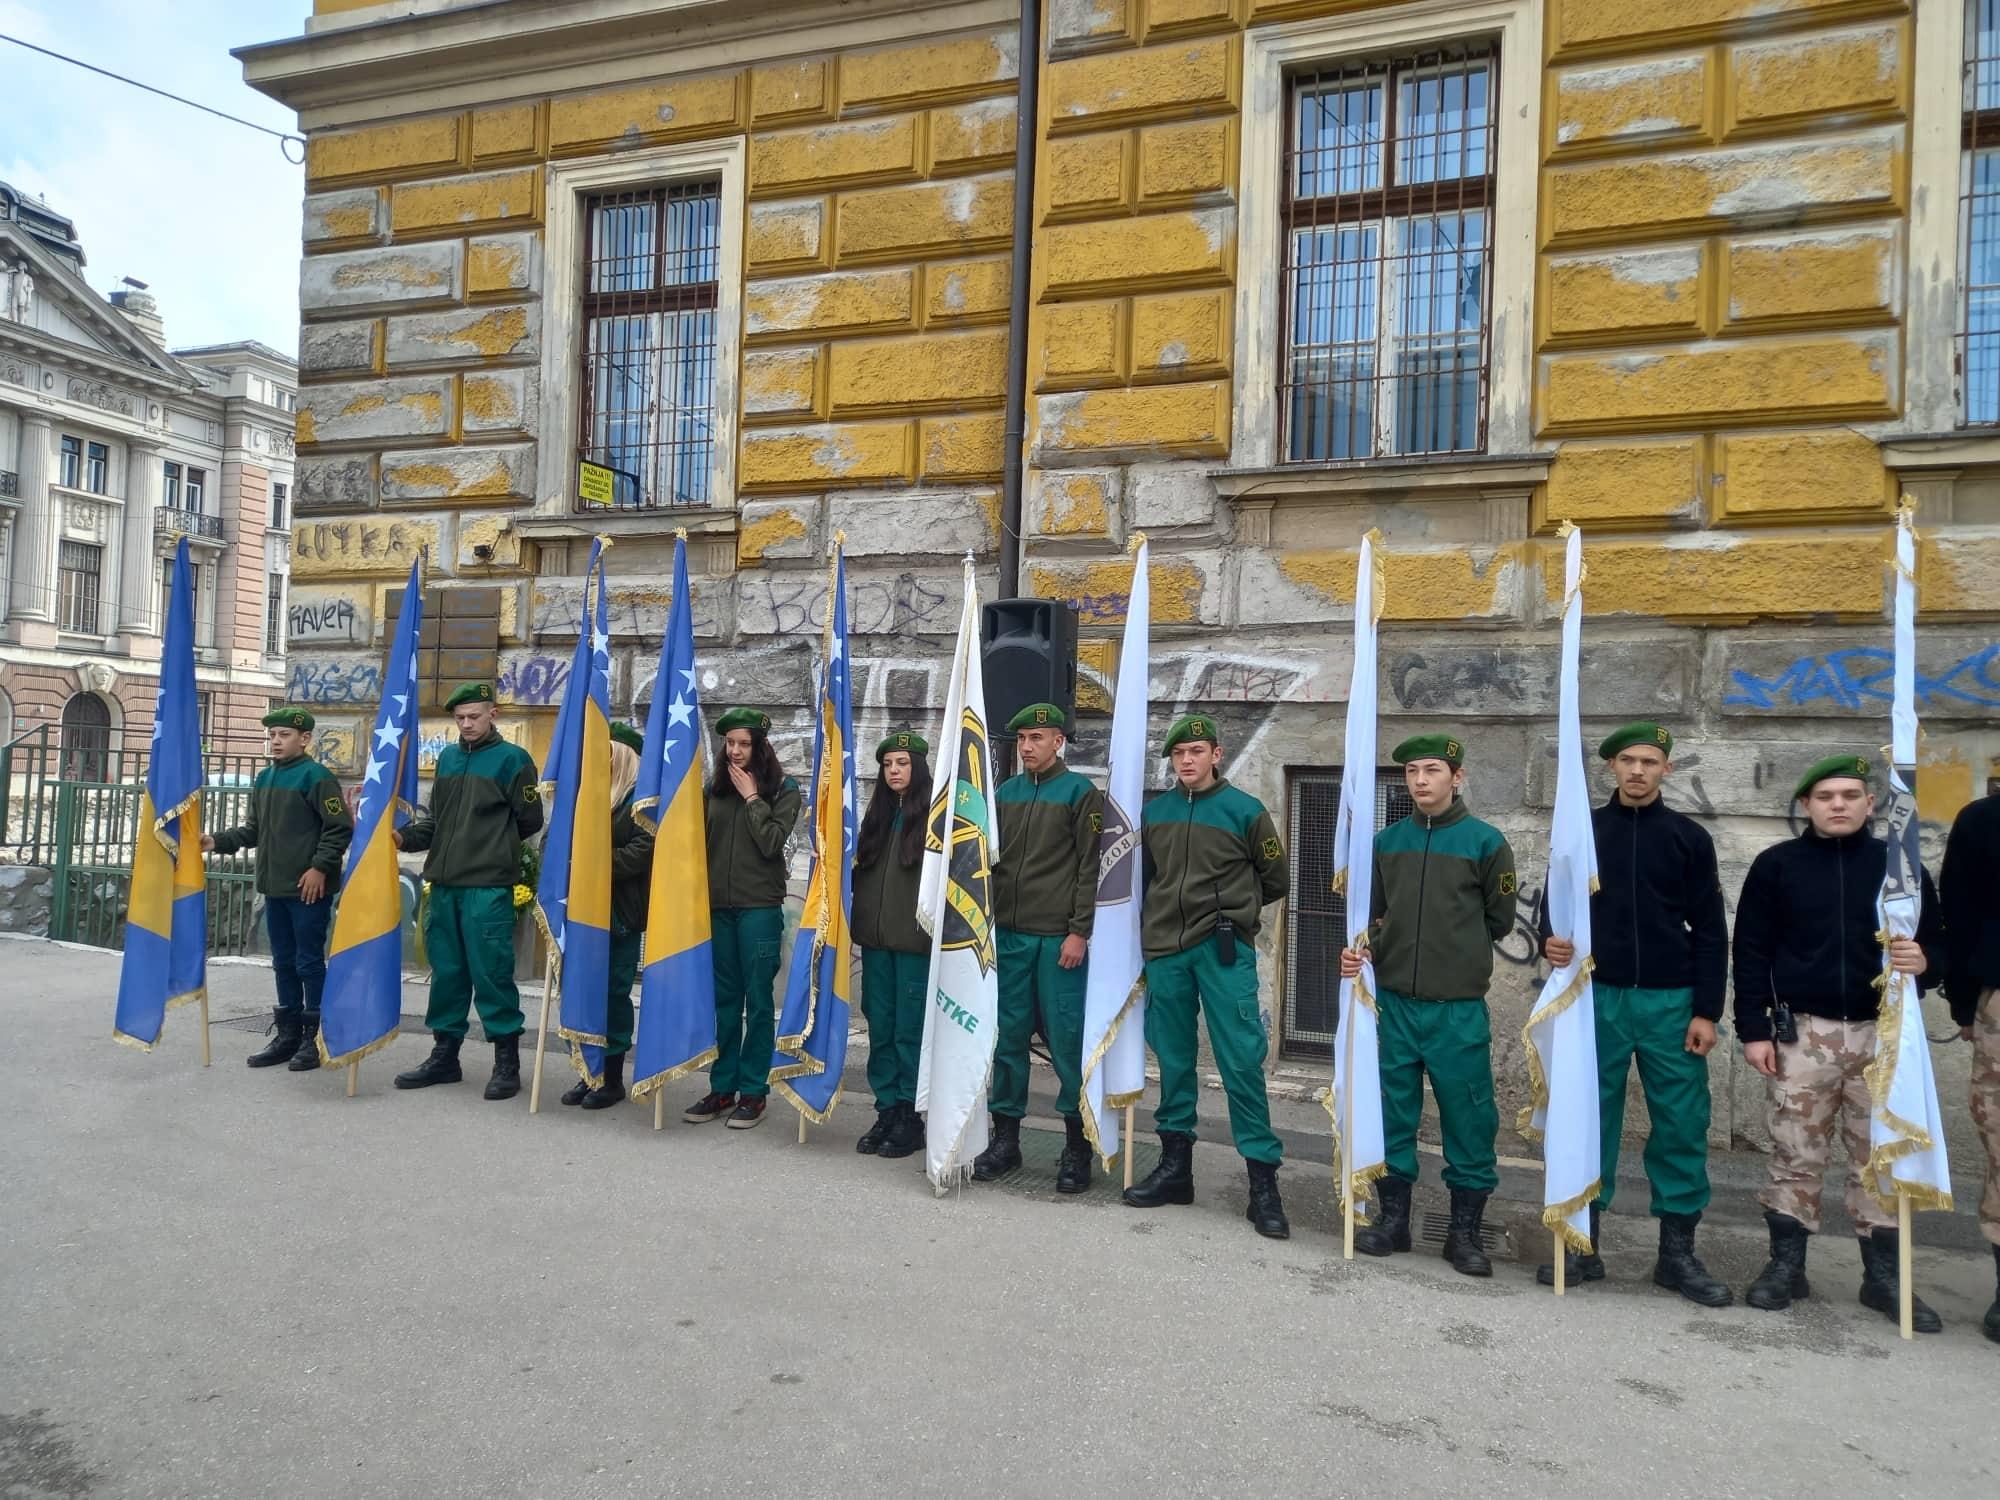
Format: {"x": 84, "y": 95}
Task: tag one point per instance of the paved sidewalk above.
{"x": 231, "y": 1283}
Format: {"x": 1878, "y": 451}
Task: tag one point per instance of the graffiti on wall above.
{"x": 1861, "y": 675}
{"x": 535, "y": 681}
{"x": 333, "y": 680}
{"x": 318, "y": 621}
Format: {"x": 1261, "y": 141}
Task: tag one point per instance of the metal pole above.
{"x": 1028, "y": 96}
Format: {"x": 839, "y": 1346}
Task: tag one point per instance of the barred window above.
{"x": 650, "y": 262}
{"x": 274, "y": 614}
{"x": 1979, "y": 216}
{"x": 79, "y": 575}
{"x": 1388, "y": 234}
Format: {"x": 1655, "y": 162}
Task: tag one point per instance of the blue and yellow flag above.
{"x": 573, "y": 898}
{"x": 363, "y": 1002}
{"x": 166, "y": 924}
{"x": 676, "y": 1033}
{"x": 812, "y": 1030}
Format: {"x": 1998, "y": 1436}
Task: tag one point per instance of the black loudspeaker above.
{"x": 1028, "y": 656}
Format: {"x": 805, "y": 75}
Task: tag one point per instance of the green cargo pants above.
{"x": 892, "y": 998}
{"x": 1035, "y": 987}
{"x": 746, "y": 942}
{"x": 469, "y": 935}
{"x": 626, "y": 950}
{"x": 1452, "y": 1040}
{"x": 1177, "y": 990}
{"x": 1652, "y": 1025}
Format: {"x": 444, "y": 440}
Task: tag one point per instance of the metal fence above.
{"x": 82, "y": 827}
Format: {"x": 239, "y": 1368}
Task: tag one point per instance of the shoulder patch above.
{"x": 1273, "y": 850}
{"x": 334, "y": 807}
{"x": 1507, "y": 883}
{"x": 1097, "y": 822}
{"x": 533, "y": 793}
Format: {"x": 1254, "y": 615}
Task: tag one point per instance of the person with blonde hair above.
{"x": 631, "y": 883}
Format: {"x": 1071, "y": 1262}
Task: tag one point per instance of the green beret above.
{"x": 288, "y": 718}
{"x": 470, "y": 692}
{"x": 1641, "y": 733}
{"x": 1189, "y": 727}
{"x": 626, "y": 735}
{"x": 1445, "y": 747}
{"x": 1855, "y": 766}
{"x": 1037, "y": 716}
{"x": 744, "y": 718}
{"x": 902, "y": 739}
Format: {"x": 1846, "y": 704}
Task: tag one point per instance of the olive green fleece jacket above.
{"x": 298, "y": 822}
{"x": 631, "y": 870}
{"x": 1443, "y": 896}
{"x": 1045, "y": 878}
{"x": 485, "y": 802}
{"x": 746, "y": 847}
{"x": 885, "y": 898}
{"x": 1207, "y": 854}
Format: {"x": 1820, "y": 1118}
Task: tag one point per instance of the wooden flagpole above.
{"x": 1562, "y": 1265}
{"x": 204, "y": 1026}
{"x": 802, "y": 1127}
{"x": 1905, "y": 1293}
{"x": 353, "y": 1076}
{"x": 659, "y": 1109}
{"x": 1130, "y": 1110}
{"x": 1343, "y": 1164}
{"x": 541, "y": 1036}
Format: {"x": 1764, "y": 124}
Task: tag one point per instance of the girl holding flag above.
{"x": 752, "y": 808}
{"x": 895, "y": 949}
{"x": 631, "y": 885}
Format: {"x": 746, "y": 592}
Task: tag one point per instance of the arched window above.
{"x": 86, "y": 738}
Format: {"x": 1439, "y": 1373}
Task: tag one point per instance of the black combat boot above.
{"x": 1073, "y": 1170}
{"x": 307, "y": 1057}
{"x": 1880, "y": 1288}
{"x": 506, "y": 1080}
{"x": 873, "y": 1137}
{"x": 1002, "y": 1154}
{"x": 1578, "y": 1269}
{"x": 440, "y": 1067}
{"x": 1679, "y": 1269}
{"x": 613, "y": 1091}
{"x": 1391, "y": 1230}
{"x": 1461, "y": 1241}
{"x": 284, "y": 1034}
{"x": 1783, "y": 1279}
{"x": 906, "y": 1134}
{"x": 1172, "y": 1181}
{"x": 1266, "y": 1212}
{"x": 1991, "y": 1327}
{"x": 577, "y": 1092}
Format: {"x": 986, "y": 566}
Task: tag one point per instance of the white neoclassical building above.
{"x": 111, "y": 449}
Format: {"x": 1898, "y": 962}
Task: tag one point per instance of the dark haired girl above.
{"x": 895, "y": 949}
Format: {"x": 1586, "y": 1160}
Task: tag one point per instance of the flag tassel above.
{"x": 541, "y": 1036}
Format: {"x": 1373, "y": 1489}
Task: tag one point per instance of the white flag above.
{"x": 1905, "y": 1132}
{"x": 1114, "y": 1005}
{"x": 1561, "y": 1034}
{"x": 1356, "y": 1100}
{"x": 955, "y": 904}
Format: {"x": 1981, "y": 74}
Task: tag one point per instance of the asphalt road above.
{"x": 231, "y": 1283}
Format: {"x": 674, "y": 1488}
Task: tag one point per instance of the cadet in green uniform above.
{"x": 485, "y": 801}
{"x": 752, "y": 806}
{"x": 1044, "y": 902}
{"x": 895, "y": 949}
{"x": 1212, "y": 864}
{"x": 631, "y": 891}
{"x": 299, "y": 825}
{"x": 1444, "y": 895}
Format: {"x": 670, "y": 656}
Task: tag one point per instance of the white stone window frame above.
{"x": 568, "y": 184}
{"x": 1268, "y": 53}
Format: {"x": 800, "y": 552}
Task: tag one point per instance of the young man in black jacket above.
{"x": 1970, "y": 878}
{"x": 1660, "y": 939}
{"x": 1808, "y": 960}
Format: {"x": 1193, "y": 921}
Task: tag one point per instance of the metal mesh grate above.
{"x": 1388, "y": 235}
{"x": 1979, "y": 216}
{"x": 1316, "y": 915}
{"x": 650, "y": 268}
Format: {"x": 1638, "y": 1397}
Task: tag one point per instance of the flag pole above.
{"x": 204, "y": 1026}
{"x": 1905, "y": 1293}
{"x": 1130, "y": 1110}
{"x": 353, "y": 1076}
{"x": 659, "y": 1109}
{"x": 1562, "y": 1266}
{"x": 802, "y": 1127}
{"x": 541, "y": 1036}
{"x": 1343, "y": 1163}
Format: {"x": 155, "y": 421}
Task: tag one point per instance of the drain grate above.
{"x": 1492, "y": 1238}
{"x": 1041, "y": 1150}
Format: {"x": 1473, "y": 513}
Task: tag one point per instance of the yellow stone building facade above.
{"x": 1698, "y": 276}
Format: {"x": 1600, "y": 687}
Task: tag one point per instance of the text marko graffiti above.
{"x": 1859, "y": 678}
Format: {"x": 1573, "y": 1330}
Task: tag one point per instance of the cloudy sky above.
{"x": 205, "y": 211}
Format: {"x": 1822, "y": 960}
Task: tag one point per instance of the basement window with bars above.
{"x": 1979, "y": 217}
{"x": 650, "y": 267}
{"x": 1387, "y": 223}
{"x": 1315, "y": 914}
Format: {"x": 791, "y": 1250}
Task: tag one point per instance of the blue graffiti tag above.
{"x": 1862, "y": 674}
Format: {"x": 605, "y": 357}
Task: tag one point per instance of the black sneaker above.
{"x": 749, "y": 1113}
{"x": 710, "y": 1106}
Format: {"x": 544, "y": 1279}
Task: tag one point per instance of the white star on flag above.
{"x": 678, "y": 712}
{"x": 385, "y": 736}
{"x": 376, "y": 768}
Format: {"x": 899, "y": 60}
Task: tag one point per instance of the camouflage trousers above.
{"x": 1986, "y": 1105}
{"x": 1820, "y": 1080}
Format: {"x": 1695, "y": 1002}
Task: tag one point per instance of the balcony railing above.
{"x": 169, "y": 519}
{"x": 10, "y": 483}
